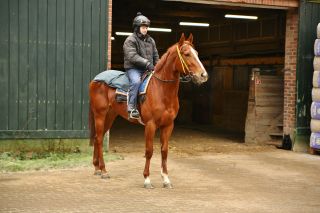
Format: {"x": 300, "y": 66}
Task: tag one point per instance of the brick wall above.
{"x": 289, "y": 116}
{"x": 109, "y": 26}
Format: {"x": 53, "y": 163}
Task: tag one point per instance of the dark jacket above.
{"x": 139, "y": 52}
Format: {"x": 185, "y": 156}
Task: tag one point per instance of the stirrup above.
{"x": 134, "y": 114}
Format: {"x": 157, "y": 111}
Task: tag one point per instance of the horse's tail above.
{"x": 91, "y": 124}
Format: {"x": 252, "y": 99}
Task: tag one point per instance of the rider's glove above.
{"x": 150, "y": 67}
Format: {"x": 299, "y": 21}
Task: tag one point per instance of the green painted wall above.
{"x": 309, "y": 17}
{"x": 49, "y": 51}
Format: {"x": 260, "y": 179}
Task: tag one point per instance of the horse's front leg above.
{"x": 149, "y": 133}
{"x": 165, "y": 133}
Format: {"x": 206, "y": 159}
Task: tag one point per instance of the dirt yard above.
{"x": 210, "y": 172}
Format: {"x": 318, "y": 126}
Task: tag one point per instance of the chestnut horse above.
{"x": 158, "y": 111}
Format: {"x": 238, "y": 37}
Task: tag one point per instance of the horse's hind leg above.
{"x": 95, "y": 161}
{"x": 165, "y": 133}
{"x": 111, "y": 115}
{"x": 149, "y": 132}
{"x": 99, "y": 108}
{"x": 98, "y": 149}
{"x": 98, "y": 160}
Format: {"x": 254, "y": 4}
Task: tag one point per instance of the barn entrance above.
{"x": 230, "y": 48}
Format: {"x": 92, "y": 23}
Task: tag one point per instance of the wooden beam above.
{"x": 275, "y": 4}
{"x": 245, "y": 61}
{"x": 243, "y": 47}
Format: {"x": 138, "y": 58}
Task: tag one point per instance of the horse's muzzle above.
{"x": 200, "y": 78}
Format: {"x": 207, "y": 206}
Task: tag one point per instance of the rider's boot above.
{"x": 134, "y": 114}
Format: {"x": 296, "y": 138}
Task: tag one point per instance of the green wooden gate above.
{"x": 49, "y": 51}
{"x": 309, "y": 17}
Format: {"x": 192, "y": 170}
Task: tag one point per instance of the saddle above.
{"x": 120, "y": 81}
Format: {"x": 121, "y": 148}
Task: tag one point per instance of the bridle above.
{"x": 183, "y": 62}
{"x": 186, "y": 77}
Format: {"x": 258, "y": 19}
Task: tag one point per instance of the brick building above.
{"x": 291, "y": 10}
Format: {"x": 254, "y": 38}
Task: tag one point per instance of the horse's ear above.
{"x": 182, "y": 39}
{"x": 190, "y": 39}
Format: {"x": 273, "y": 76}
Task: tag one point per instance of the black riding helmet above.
{"x": 140, "y": 20}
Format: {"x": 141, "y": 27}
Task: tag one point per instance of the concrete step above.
{"x": 276, "y": 134}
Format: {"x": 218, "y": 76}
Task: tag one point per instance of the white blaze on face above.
{"x": 197, "y": 58}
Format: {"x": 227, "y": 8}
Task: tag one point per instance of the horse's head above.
{"x": 190, "y": 63}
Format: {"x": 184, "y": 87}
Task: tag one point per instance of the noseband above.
{"x": 186, "y": 77}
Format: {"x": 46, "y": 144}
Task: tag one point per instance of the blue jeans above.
{"x": 134, "y": 76}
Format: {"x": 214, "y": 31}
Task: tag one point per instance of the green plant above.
{"x": 24, "y": 161}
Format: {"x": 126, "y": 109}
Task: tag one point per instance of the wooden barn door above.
{"x": 49, "y": 51}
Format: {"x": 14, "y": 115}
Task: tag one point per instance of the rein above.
{"x": 184, "y": 67}
{"x": 165, "y": 81}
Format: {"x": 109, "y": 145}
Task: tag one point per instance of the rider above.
{"x": 140, "y": 55}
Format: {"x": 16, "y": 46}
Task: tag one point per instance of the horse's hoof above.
{"x": 167, "y": 186}
{"x": 148, "y": 186}
{"x": 98, "y": 173}
{"x": 105, "y": 176}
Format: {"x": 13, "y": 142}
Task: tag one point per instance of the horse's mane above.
{"x": 164, "y": 57}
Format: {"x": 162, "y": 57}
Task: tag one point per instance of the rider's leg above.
{"x": 134, "y": 76}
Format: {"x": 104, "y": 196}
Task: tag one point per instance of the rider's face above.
{"x": 144, "y": 29}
